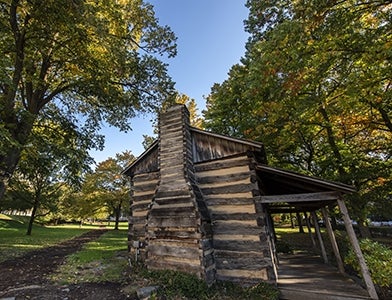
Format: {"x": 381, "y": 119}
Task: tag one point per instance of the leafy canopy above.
{"x": 315, "y": 87}
{"x": 79, "y": 63}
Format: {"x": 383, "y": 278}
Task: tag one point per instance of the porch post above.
{"x": 320, "y": 238}
{"x": 333, "y": 240}
{"x": 357, "y": 250}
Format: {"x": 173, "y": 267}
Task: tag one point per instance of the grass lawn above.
{"x": 104, "y": 259}
{"x": 14, "y": 241}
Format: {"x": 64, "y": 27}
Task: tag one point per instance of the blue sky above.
{"x": 211, "y": 38}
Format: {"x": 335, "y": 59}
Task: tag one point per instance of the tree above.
{"x": 315, "y": 87}
{"x": 106, "y": 187}
{"x": 51, "y": 159}
{"x": 80, "y": 61}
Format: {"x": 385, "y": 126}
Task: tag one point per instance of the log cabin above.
{"x": 201, "y": 203}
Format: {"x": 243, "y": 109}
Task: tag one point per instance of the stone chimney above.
{"x": 179, "y": 232}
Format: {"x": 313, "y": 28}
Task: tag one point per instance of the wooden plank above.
{"x": 332, "y": 238}
{"x": 306, "y": 197}
{"x": 357, "y": 250}
{"x": 319, "y": 237}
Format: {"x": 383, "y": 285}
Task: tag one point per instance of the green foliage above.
{"x": 177, "y": 284}
{"x": 105, "y": 191}
{"x": 77, "y": 64}
{"x": 379, "y": 260}
{"x": 315, "y": 88}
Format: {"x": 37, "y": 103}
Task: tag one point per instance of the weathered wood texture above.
{"x": 147, "y": 163}
{"x": 241, "y": 248}
{"x": 178, "y": 225}
{"x": 143, "y": 188}
{"x": 207, "y": 146}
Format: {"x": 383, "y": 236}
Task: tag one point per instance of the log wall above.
{"x": 143, "y": 187}
{"x": 242, "y": 249}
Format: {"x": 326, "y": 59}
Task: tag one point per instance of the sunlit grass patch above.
{"x": 14, "y": 242}
{"x": 104, "y": 259}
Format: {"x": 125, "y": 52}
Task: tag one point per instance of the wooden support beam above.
{"x": 306, "y": 197}
{"x": 357, "y": 250}
{"x": 319, "y": 237}
{"x": 332, "y": 238}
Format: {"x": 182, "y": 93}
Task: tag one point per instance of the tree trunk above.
{"x": 117, "y": 212}
{"x": 9, "y": 161}
{"x": 31, "y": 221}
{"x": 299, "y": 220}
{"x": 364, "y": 230}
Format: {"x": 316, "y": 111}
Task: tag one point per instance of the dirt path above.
{"x": 25, "y": 277}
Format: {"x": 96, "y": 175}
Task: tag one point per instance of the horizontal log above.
{"x": 230, "y": 177}
{"x": 139, "y": 213}
{"x": 180, "y": 252}
{"x": 235, "y": 228}
{"x": 243, "y": 246}
{"x": 230, "y": 209}
{"x": 235, "y": 188}
{"x": 243, "y": 263}
{"x": 146, "y": 196}
{"x": 235, "y": 161}
{"x": 150, "y": 186}
{"x": 137, "y": 220}
{"x": 173, "y": 221}
{"x": 234, "y": 216}
{"x": 159, "y": 264}
{"x": 140, "y": 206}
{"x": 162, "y": 193}
{"x": 168, "y": 211}
{"x": 306, "y": 197}
{"x": 224, "y": 184}
{"x": 186, "y": 199}
{"x": 212, "y": 201}
{"x": 223, "y": 274}
{"x": 173, "y": 233}
{"x": 237, "y": 237}
{"x": 223, "y": 253}
{"x": 145, "y": 177}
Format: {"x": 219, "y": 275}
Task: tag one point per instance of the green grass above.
{"x": 14, "y": 241}
{"x": 104, "y": 259}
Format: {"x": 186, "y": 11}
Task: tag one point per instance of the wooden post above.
{"x": 357, "y": 250}
{"x": 309, "y": 230}
{"x": 320, "y": 238}
{"x": 332, "y": 238}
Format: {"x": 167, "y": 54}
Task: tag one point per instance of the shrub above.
{"x": 379, "y": 260}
